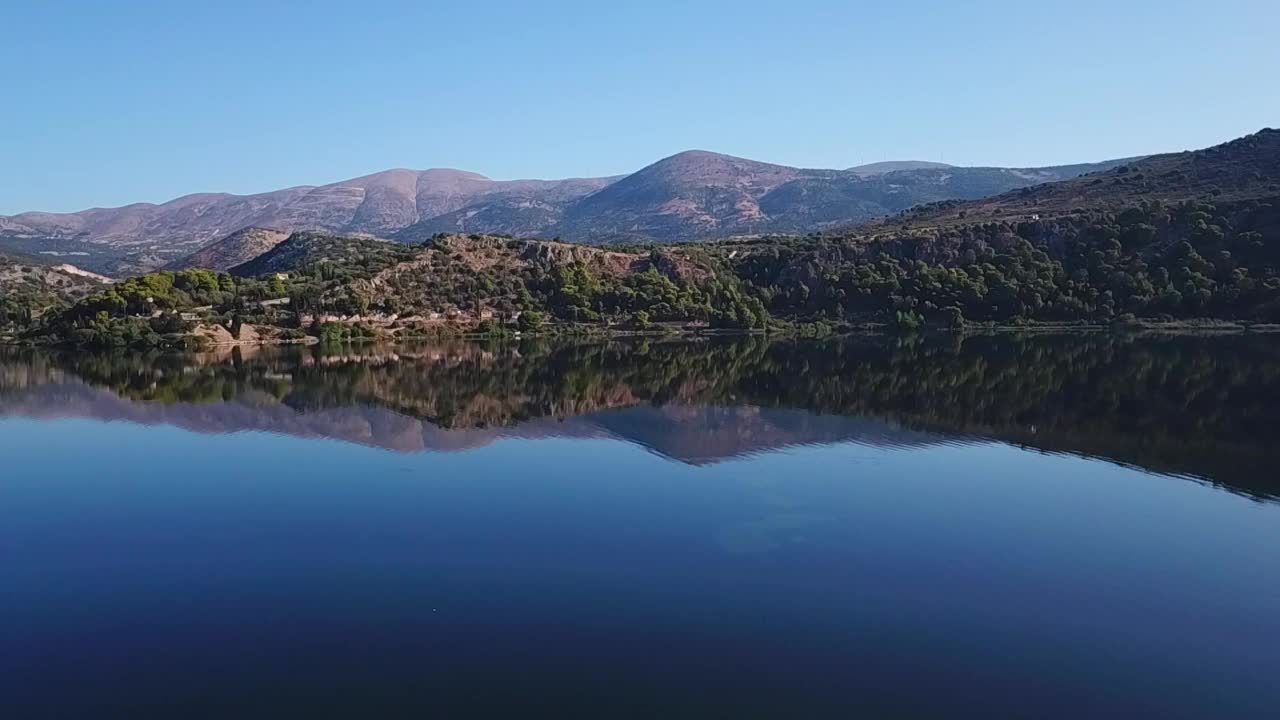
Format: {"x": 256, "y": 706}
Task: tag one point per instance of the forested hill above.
{"x": 1178, "y": 236}
{"x": 338, "y": 288}
{"x": 1247, "y": 168}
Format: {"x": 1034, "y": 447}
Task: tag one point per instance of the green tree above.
{"x": 531, "y": 321}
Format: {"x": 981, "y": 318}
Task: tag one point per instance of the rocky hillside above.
{"x": 18, "y": 275}
{"x": 1244, "y": 169}
{"x": 306, "y": 250}
{"x": 235, "y": 249}
{"x": 338, "y": 288}
{"x": 29, "y": 290}
{"x": 474, "y": 274}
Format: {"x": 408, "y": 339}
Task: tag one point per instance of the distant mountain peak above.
{"x": 693, "y": 168}
{"x": 696, "y": 154}
{"x": 453, "y": 173}
{"x": 707, "y": 156}
{"x": 408, "y": 178}
{"x": 887, "y": 166}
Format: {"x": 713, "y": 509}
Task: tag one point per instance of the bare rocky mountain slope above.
{"x": 239, "y": 247}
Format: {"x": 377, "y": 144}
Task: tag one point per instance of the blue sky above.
{"x": 110, "y": 103}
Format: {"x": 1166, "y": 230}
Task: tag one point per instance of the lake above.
{"x": 1001, "y": 526}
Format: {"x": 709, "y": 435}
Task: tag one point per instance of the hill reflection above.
{"x": 1205, "y": 407}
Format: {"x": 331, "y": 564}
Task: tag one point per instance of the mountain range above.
{"x": 688, "y": 196}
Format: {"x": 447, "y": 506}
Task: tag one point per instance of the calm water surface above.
{"x": 1045, "y": 527}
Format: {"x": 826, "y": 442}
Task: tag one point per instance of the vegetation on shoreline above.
{"x": 1192, "y": 260}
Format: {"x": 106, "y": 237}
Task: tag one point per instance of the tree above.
{"x": 905, "y": 321}
{"x": 953, "y": 317}
{"x": 531, "y": 321}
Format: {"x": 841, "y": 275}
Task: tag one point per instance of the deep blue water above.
{"x": 257, "y": 552}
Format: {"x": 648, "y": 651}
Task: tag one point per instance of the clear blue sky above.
{"x": 106, "y": 103}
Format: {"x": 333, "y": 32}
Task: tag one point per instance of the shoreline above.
{"x": 802, "y": 330}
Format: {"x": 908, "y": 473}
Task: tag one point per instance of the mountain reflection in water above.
{"x": 1202, "y": 407}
